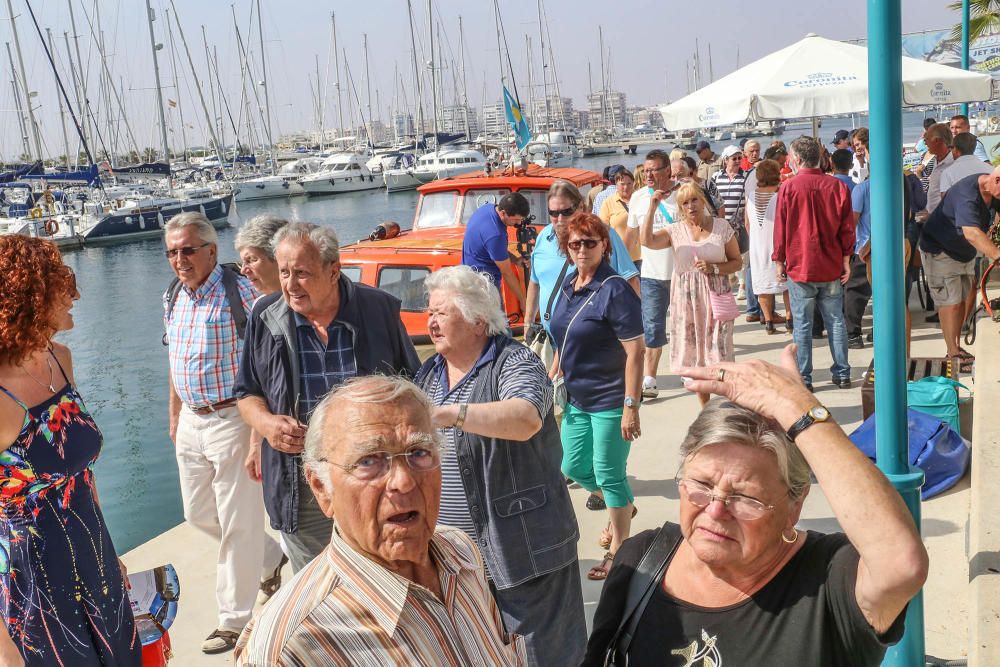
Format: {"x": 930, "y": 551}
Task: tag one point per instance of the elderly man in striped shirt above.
{"x": 393, "y": 589}
{"x": 211, "y": 439}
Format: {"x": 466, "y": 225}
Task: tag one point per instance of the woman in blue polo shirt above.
{"x": 597, "y": 326}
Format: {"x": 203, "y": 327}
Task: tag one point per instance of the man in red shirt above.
{"x": 813, "y": 242}
{"x": 751, "y": 155}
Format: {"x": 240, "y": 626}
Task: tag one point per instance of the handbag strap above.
{"x": 642, "y": 585}
{"x": 555, "y": 290}
{"x": 573, "y": 319}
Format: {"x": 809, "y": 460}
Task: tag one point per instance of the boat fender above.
{"x": 118, "y": 203}
{"x": 159, "y": 219}
{"x": 385, "y": 230}
{"x": 222, "y": 205}
{"x": 51, "y": 226}
{"x": 36, "y": 213}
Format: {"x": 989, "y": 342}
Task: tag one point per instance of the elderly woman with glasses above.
{"x": 735, "y": 582}
{"x": 597, "y": 327}
{"x": 253, "y": 243}
{"x": 501, "y": 482}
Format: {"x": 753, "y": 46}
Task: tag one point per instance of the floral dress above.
{"x": 695, "y": 338}
{"x": 61, "y": 591}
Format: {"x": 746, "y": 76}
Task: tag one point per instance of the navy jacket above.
{"x": 269, "y": 369}
{"x": 517, "y": 495}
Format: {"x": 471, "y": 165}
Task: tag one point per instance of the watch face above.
{"x": 629, "y": 402}
{"x": 819, "y": 413}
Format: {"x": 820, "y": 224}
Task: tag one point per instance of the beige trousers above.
{"x": 222, "y": 501}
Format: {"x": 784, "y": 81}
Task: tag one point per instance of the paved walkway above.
{"x": 653, "y": 464}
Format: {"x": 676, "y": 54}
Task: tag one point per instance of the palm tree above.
{"x": 984, "y": 19}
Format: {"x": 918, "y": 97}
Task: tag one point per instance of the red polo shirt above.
{"x": 813, "y": 227}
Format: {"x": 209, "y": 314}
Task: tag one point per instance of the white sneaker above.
{"x": 741, "y": 295}
{"x": 649, "y": 389}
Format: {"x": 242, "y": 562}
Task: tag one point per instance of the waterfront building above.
{"x": 495, "y": 119}
{"x": 402, "y": 126}
{"x": 606, "y": 109}
{"x": 560, "y": 114}
{"x": 453, "y": 119}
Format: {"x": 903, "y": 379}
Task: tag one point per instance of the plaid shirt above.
{"x": 323, "y": 367}
{"x": 202, "y": 344}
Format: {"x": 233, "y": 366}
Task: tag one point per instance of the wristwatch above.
{"x": 629, "y": 402}
{"x": 816, "y": 414}
{"x": 460, "y": 418}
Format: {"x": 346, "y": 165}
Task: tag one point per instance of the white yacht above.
{"x": 341, "y": 172}
{"x": 553, "y": 149}
{"x": 283, "y": 184}
{"x": 432, "y": 166}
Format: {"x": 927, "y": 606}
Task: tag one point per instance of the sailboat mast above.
{"x": 267, "y": 93}
{"x": 368, "y": 83}
{"x": 25, "y": 139}
{"x": 159, "y": 88}
{"x": 81, "y": 83}
{"x": 465, "y": 91}
{"x": 336, "y": 66}
{"x": 417, "y": 81}
{"x": 433, "y": 66}
{"x": 62, "y": 109}
{"x": 545, "y": 78}
{"x": 604, "y": 86}
{"x": 32, "y": 123}
{"x": 531, "y": 83}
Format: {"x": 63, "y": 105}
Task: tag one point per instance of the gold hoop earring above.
{"x": 790, "y": 541}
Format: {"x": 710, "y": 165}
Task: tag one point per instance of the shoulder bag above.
{"x": 641, "y": 586}
{"x": 559, "y": 391}
{"x": 542, "y": 344}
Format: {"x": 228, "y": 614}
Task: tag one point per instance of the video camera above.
{"x": 526, "y": 235}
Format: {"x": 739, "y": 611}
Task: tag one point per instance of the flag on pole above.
{"x": 516, "y": 120}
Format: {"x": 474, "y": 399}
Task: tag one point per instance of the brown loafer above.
{"x": 220, "y": 641}
{"x": 753, "y": 318}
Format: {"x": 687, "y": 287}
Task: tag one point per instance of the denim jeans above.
{"x": 829, "y": 297}
{"x": 655, "y": 296}
{"x": 753, "y": 304}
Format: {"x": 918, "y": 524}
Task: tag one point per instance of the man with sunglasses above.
{"x": 211, "y": 439}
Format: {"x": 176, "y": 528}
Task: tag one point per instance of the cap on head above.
{"x": 702, "y": 146}
{"x": 841, "y": 135}
{"x": 515, "y": 204}
{"x": 614, "y": 169}
{"x": 730, "y": 151}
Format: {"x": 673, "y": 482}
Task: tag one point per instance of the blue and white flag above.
{"x": 516, "y": 119}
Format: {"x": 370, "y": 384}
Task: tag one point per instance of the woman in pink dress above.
{"x": 706, "y": 252}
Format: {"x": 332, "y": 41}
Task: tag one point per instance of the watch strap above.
{"x": 805, "y": 421}
{"x": 460, "y": 419}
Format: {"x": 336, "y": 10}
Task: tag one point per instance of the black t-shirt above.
{"x": 806, "y": 615}
{"x": 962, "y": 206}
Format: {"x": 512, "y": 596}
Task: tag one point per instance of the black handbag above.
{"x": 641, "y": 586}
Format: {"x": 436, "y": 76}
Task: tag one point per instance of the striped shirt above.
{"x": 731, "y": 191}
{"x": 202, "y": 344}
{"x": 346, "y": 610}
{"x": 522, "y": 376}
{"x": 601, "y": 197}
{"x": 323, "y": 367}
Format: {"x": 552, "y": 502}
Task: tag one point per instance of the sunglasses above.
{"x": 564, "y": 212}
{"x": 187, "y": 251}
{"x": 589, "y": 244}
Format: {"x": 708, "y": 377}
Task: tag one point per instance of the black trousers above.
{"x": 857, "y": 293}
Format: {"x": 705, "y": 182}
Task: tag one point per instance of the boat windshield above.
{"x": 437, "y": 209}
{"x": 352, "y": 272}
{"x": 406, "y": 283}
{"x": 477, "y": 198}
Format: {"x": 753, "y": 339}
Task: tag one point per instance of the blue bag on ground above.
{"x": 937, "y": 396}
{"x": 935, "y": 448}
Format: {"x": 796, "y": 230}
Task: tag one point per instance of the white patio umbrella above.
{"x": 811, "y": 78}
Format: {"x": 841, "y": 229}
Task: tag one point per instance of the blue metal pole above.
{"x": 965, "y": 46}
{"x": 885, "y": 100}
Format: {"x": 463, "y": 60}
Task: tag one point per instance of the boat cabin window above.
{"x": 437, "y": 209}
{"x": 476, "y": 198}
{"x": 356, "y": 166}
{"x": 451, "y": 160}
{"x": 406, "y": 283}
{"x": 352, "y": 272}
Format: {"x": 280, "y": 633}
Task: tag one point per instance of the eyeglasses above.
{"x": 741, "y": 507}
{"x": 187, "y": 250}
{"x": 653, "y": 171}
{"x": 564, "y": 212}
{"x": 375, "y": 465}
{"x": 589, "y": 244}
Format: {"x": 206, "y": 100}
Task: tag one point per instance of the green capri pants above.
{"x": 595, "y": 453}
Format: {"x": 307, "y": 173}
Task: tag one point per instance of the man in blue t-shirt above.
{"x": 953, "y": 235}
{"x": 485, "y": 244}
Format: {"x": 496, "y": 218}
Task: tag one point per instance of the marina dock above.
{"x": 957, "y": 611}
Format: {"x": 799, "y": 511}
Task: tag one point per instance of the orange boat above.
{"x": 399, "y": 261}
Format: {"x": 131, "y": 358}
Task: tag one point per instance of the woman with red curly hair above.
{"x": 62, "y": 591}
{"x": 597, "y": 327}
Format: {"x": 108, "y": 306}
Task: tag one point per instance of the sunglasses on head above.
{"x": 589, "y": 244}
{"x": 187, "y": 251}
{"x": 565, "y": 212}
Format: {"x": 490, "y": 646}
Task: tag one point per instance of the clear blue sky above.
{"x": 648, "y": 44}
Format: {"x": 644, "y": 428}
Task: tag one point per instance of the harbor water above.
{"x": 121, "y": 364}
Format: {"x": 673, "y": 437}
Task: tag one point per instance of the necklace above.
{"x": 48, "y": 386}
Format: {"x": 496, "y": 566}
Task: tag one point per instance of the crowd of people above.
{"x": 294, "y": 390}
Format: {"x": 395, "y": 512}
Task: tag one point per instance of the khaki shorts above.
{"x": 949, "y": 281}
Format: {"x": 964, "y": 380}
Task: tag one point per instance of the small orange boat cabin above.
{"x": 398, "y": 261}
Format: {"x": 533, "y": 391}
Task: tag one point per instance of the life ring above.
{"x": 36, "y": 213}
{"x": 51, "y": 226}
{"x": 994, "y": 123}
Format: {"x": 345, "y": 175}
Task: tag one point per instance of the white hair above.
{"x": 196, "y": 219}
{"x": 473, "y": 293}
{"x": 258, "y": 233}
{"x": 324, "y": 238}
{"x": 369, "y": 389}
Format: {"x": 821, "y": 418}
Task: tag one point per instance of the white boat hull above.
{"x": 329, "y": 185}
{"x": 397, "y": 180}
{"x": 269, "y": 187}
